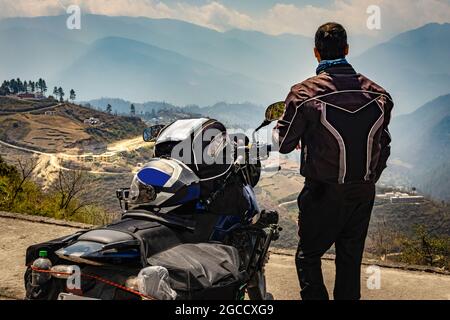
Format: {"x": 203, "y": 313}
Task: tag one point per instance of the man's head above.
{"x": 331, "y": 42}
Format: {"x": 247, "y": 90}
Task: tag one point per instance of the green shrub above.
{"x": 30, "y": 199}
{"x": 425, "y": 248}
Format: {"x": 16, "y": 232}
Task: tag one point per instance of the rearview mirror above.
{"x": 275, "y": 111}
{"x": 150, "y": 134}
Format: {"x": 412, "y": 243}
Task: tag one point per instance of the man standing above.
{"x": 340, "y": 119}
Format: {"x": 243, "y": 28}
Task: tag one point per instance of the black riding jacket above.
{"x": 340, "y": 118}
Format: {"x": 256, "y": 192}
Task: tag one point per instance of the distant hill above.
{"x": 130, "y": 68}
{"x": 411, "y": 66}
{"x": 223, "y": 61}
{"x": 142, "y": 59}
{"x": 123, "y": 106}
{"x": 283, "y": 59}
{"x": 118, "y": 105}
{"x": 243, "y": 115}
{"x": 63, "y": 129}
{"x": 421, "y": 139}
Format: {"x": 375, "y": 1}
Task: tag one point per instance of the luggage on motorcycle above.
{"x": 126, "y": 242}
{"x": 198, "y": 143}
{"x": 201, "y": 144}
{"x": 154, "y": 237}
{"x": 204, "y": 146}
{"x": 166, "y": 231}
{"x": 151, "y": 233}
{"x": 203, "y": 271}
{"x": 230, "y": 200}
{"x": 154, "y": 282}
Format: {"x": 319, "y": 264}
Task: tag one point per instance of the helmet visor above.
{"x": 141, "y": 193}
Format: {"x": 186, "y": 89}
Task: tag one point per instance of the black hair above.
{"x": 331, "y": 41}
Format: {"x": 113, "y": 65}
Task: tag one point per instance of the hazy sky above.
{"x": 270, "y": 16}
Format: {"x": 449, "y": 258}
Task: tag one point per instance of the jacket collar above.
{"x": 344, "y": 68}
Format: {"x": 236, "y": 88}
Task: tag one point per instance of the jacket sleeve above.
{"x": 290, "y": 128}
{"x": 385, "y": 140}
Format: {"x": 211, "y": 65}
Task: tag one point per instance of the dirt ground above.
{"x": 395, "y": 284}
{"x": 16, "y": 235}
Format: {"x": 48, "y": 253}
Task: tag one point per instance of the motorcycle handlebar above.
{"x": 258, "y": 147}
{"x": 255, "y": 151}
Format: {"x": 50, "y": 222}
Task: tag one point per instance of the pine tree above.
{"x": 61, "y": 94}
{"x": 4, "y": 89}
{"x": 109, "y": 108}
{"x": 72, "y": 95}
{"x": 14, "y": 86}
{"x": 19, "y": 85}
{"x": 133, "y": 110}
{"x": 44, "y": 87}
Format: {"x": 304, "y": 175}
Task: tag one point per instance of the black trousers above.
{"x": 332, "y": 214}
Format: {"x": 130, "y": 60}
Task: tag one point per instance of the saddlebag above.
{"x": 203, "y": 271}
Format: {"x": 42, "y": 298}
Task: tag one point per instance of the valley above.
{"x": 69, "y": 137}
{"x": 390, "y": 220}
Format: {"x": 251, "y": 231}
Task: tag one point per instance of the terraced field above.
{"x": 13, "y": 105}
{"x": 62, "y": 127}
{"x": 49, "y": 133}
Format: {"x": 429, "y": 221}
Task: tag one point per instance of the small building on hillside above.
{"x": 406, "y": 198}
{"x": 106, "y": 157}
{"x": 399, "y": 197}
{"x": 92, "y": 121}
{"x": 26, "y": 96}
{"x": 30, "y": 95}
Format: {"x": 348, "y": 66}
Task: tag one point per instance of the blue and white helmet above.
{"x": 163, "y": 183}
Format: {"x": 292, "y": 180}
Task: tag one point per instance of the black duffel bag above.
{"x": 203, "y": 271}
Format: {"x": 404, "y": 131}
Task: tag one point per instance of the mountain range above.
{"x": 244, "y": 115}
{"x": 142, "y": 59}
{"x": 412, "y": 66}
{"x": 421, "y": 141}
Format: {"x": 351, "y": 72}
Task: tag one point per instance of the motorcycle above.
{"x": 179, "y": 237}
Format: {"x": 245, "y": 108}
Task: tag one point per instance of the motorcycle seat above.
{"x": 105, "y": 236}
